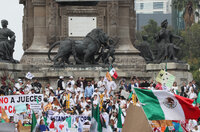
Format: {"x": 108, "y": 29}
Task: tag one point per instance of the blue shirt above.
{"x": 89, "y": 90}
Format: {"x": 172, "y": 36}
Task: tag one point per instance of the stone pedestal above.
{"x": 48, "y": 74}
{"x": 179, "y": 70}
{"x": 47, "y": 21}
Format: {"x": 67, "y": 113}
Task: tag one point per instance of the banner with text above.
{"x": 8, "y": 103}
{"x": 85, "y": 120}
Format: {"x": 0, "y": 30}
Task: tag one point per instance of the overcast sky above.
{"x": 12, "y": 11}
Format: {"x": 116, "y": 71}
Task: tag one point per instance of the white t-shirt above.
{"x": 72, "y": 102}
{"x": 109, "y": 85}
{"x": 70, "y": 89}
{"x": 192, "y": 95}
{"x": 51, "y": 99}
{"x": 27, "y": 88}
{"x": 83, "y": 104}
{"x": 101, "y": 85}
{"x": 106, "y": 118}
{"x": 87, "y": 113}
{"x": 122, "y": 103}
{"x": 72, "y": 82}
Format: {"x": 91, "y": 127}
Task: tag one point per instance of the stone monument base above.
{"x": 46, "y": 73}
{"x": 50, "y": 74}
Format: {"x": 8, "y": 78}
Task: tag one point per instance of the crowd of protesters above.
{"x": 83, "y": 94}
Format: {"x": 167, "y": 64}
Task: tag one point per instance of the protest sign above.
{"x": 60, "y": 118}
{"x": 8, "y": 103}
{"x": 29, "y": 76}
{"x": 125, "y": 94}
{"x": 165, "y": 78}
{"x": 160, "y": 76}
{"x": 169, "y": 79}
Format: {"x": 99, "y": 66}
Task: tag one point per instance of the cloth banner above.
{"x": 85, "y": 120}
{"x": 8, "y": 103}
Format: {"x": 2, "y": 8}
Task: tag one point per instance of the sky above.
{"x": 12, "y": 11}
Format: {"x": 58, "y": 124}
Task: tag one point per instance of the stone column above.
{"x": 112, "y": 19}
{"x": 124, "y": 28}
{"x": 51, "y": 21}
{"x": 40, "y": 38}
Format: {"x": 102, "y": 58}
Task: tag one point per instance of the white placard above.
{"x": 81, "y": 26}
{"x": 9, "y": 102}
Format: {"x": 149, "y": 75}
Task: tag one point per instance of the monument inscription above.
{"x": 81, "y": 26}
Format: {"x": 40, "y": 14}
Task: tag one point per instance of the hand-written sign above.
{"x": 165, "y": 78}
{"x": 8, "y": 103}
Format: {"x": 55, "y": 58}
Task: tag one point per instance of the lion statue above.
{"x": 83, "y": 51}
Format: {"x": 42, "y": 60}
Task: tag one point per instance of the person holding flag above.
{"x": 33, "y": 123}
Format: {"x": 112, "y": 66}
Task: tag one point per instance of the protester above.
{"x": 61, "y": 83}
{"x": 37, "y": 86}
{"x": 89, "y": 90}
{"x": 77, "y": 98}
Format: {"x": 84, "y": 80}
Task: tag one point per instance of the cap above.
{"x": 71, "y": 77}
{"x": 19, "y": 80}
{"x": 61, "y": 77}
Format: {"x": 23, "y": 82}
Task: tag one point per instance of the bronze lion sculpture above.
{"x": 83, "y": 51}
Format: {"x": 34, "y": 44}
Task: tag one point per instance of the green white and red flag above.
{"x": 162, "y": 105}
{"x": 113, "y": 72}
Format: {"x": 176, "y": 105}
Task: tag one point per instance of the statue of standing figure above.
{"x": 7, "y": 43}
{"x": 167, "y": 51}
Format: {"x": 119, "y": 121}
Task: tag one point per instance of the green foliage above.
{"x": 191, "y": 42}
{"x": 181, "y": 4}
{"x": 150, "y": 30}
{"x": 190, "y": 49}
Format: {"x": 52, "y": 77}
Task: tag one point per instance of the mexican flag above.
{"x": 95, "y": 121}
{"x": 198, "y": 98}
{"x": 69, "y": 121}
{"x": 34, "y": 123}
{"x": 162, "y": 105}
{"x": 120, "y": 120}
{"x": 113, "y": 72}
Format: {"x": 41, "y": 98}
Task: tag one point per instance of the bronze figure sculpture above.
{"x": 83, "y": 51}
{"x": 145, "y": 50}
{"x": 167, "y": 51}
{"x": 7, "y": 43}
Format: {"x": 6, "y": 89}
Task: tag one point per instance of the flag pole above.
{"x": 166, "y": 64}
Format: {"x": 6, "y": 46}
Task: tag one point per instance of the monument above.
{"x": 47, "y": 22}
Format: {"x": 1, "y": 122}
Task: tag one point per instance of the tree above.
{"x": 189, "y": 7}
{"x": 190, "y": 49}
{"x": 149, "y": 30}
